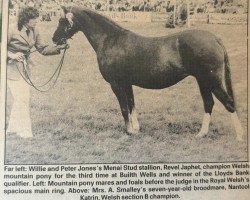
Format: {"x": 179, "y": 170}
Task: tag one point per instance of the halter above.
{"x": 56, "y": 74}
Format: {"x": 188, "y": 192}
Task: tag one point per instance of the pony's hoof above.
{"x": 135, "y": 125}
{"x": 201, "y": 135}
{"x": 132, "y": 131}
{"x": 136, "y": 129}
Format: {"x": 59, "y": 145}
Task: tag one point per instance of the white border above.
{"x": 5, "y": 13}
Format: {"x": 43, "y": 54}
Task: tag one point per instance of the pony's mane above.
{"x": 101, "y": 19}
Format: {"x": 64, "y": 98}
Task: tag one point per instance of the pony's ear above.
{"x": 64, "y": 9}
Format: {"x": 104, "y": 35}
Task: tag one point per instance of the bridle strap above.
{"x": 56, "y": 74}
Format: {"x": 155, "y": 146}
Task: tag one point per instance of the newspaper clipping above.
{"x": 124, "y": 99}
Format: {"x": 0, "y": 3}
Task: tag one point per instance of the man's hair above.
{"x": 25, "y": 14}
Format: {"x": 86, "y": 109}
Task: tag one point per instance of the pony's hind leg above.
{"x": 228, "y": 102}
{"x": 132, "y": 110}
{"x": 124, "y": 94}
{"x": 208, "y": 102}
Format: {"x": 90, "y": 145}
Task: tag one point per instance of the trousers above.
{"x": 20, "y": 121}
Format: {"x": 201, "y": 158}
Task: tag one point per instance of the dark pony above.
{"x": 127, "y": 59}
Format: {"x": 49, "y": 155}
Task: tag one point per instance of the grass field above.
{"x": 79, "y": 121}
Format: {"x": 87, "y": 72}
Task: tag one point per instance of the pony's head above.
{"x": 66, "y": 28}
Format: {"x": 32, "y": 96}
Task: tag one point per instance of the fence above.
{"x": 217, "y": 18}
{"x": 136, "y": 16}
{"x": 211, "y": 18}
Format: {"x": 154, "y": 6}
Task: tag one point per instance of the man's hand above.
{"x": 17, "y": 56}
{"x": 62, "y": 46}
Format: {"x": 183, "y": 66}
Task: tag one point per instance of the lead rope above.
{"x": 55, "y": 74}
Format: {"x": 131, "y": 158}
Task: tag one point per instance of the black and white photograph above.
{"x": 126, "y": 81}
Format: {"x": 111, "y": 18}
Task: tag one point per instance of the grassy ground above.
{"x": 79, "y": 121}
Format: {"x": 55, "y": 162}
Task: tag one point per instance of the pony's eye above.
{"x": 61, "y": 20}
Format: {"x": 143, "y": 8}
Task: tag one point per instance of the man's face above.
{"x": 32, "y": 23}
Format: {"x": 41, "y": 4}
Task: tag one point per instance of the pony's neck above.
{"x": 96, "y": 27}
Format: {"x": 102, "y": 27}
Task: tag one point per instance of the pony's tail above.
{"x": 228, "y": 80}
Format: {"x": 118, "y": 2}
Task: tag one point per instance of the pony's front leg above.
{"x": 125, "y": 97}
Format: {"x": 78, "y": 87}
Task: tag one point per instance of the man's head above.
{"x": 28, "y": 17}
